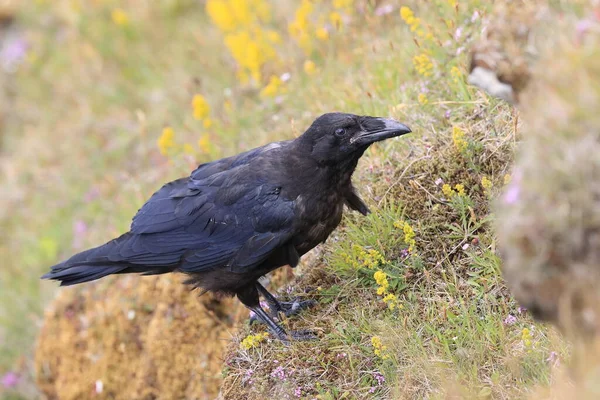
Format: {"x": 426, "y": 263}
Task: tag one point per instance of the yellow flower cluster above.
{"x": 204, "y": 144}
{"x": 379, "y": 349}
{"x": 392, "y": 301}
{"x": 526, "y": 337}
{"x": 343, "y": 4}
{"x": 119, "y": 17}
{"x": 301, "y": 26}
{"x": 486, "y": 184}
{"x": 201, "y": 109}
{"x": 310, "y": 68}
{"x": 370, "y": 258}
{"x": 458, "y": 137}
{"x": 414, "y": 23}
{"x": 423, "y": 64}
{"x": 274, "y": 87}
{"x": 166, "y": 141}
{"x": 252, "y": 341}
{"x": 422, "y": 98}
{"x": 459, "y": 190}
{"x": 388, "y": 298}
{"x": 381, "y": 279}
{"x": 456, "y": 74}
{"x": 409, "y": 234}
{"x": 249, "y": 44}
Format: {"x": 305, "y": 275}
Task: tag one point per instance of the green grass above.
{"x": 80, "y": 146}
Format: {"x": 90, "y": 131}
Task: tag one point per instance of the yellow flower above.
{"x": 406, "y": 14}
{"x": 336, "y": 19}
{"x": 391, "y": 300}
{"x": 423, "y": 99}
{"x": 166, "y": 141}
{"x": 453, "y": 3}
{"x": 322, "y": 34}
{"x": 221, "y": 15}
{"x": 526, "y": 337}
{"x": 200, "y": 107}
{"x": 252, "y": 341}
{"x": 378, "y": 348}
{"x": 119, "y": 17}
{"x": 273, "y": 37}
{"x": 272, "y": 88}
{"x": 309, "y": 67}
{"x": 458, "y": 137}
{"x": 460, "y": 189}
{"x": 456, "y": 74}
{"x": 188, "y": 149}
{"x": 423, "y": 64}
{"x": 207, "y": 123}
{"x": 342, "y": 4}
{"x": 381, "y": 278}
{"x": 447, "y": 190}
{"x": 486, "y": 184}
{"x": 204, "y": 144}
{"x": 507, "y": 179}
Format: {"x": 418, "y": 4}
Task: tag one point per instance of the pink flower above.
{"x": 512, "y": 194}
{"x": 510, "y": 320}
{"x": 10, "y": 380}
{"x": 384, "y": 10}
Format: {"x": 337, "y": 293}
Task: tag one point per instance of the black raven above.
{"x": 236, "y": 219}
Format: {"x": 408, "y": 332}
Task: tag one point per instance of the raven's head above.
{"x": 337, "y": 137}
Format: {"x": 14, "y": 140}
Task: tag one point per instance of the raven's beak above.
{"x": 377, "y": 129}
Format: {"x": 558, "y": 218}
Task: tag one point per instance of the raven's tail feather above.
{"x": 72, "y": 275}
{"x": 103, "y": 260}
{"x": 82, "y": 273}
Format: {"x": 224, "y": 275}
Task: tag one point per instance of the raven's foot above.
{"x": 287, "y": 308}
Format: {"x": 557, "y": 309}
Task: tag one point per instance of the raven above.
{"x": 236, "y": 219}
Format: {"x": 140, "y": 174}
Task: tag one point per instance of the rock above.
{"x": 548, "y": 220}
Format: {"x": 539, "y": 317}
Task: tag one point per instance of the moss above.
{"x": 142, "y": 337}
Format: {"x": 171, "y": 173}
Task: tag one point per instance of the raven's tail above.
{"x": 99, "y": 262}
{"x": 72, "y": 275}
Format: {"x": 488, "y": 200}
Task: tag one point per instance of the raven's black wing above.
{"x": 223, "y": 215}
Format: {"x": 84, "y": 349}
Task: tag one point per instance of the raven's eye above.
{"x": 340, "y": 132}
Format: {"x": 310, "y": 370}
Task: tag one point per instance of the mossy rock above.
{"x": 134, "y": 338}
{"x": 549, "y": 217}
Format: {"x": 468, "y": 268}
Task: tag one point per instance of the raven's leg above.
{"x": 288, "y": 308}
{"x": 249, "y": 297}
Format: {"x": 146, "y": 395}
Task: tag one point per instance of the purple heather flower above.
{"x": 521, "y": 310}
{"x": 279, "y": 373}
{"x": 373, "y": 389}
{"x": 298, "y": 392}
{"x": 510, "y": 320}
{"x": 10, "y": 380}
{"x": 379, "y": 377}
{"x": 447, "y": 114}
